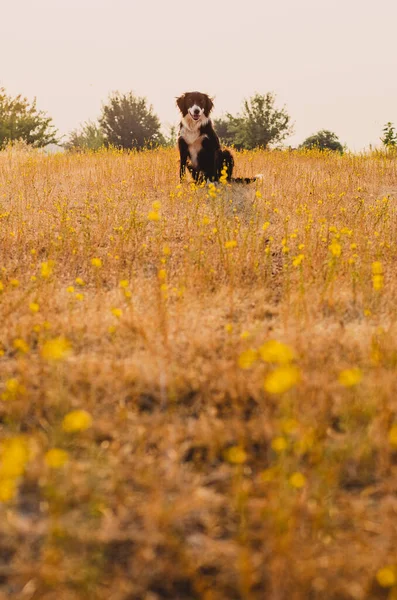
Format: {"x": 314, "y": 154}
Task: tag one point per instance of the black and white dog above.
{"x": 199, "y": 146}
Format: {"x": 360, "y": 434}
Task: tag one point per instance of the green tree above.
{"x": 20, "y": 120}
{"x": 88, "y": 137}
{"x": 171, "y": 138}
{"x": 389, "y": 138}
{"x": 323, "y": 140}
{"x": 128, "y": 122}
{"x": 259, "y": 124}
{"x": 224, "y": 131}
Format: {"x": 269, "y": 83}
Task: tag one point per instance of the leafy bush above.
{"x": 323, "y": 140}
{"x": 88, "y": 137}
{"x": 259, "y": 125}
{"x": 20, "y": 120}
{"x": 128, "y": 122}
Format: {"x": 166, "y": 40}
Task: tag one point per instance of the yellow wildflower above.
{"x": 298, "y": 260}
{"x": 56, "y": 458}
{"x": 77, "y": 420}
{"x": 274, "y": 351}
{"x": 96, "y": 262}
{"x": 236, "y": 455}
{"x": 297, "y": 480}
{"x": 117, "y": 312}
{"x": 56, "y": 349}
{"x": 279, "y": 444}
{"x": 21, "y": 345}
{"x": 386, "y": 577}
{"x": 377, "y": 275}
{"x": 350, "y": 377}
{"x": 12, "y": 389}
{"x": 123, "y": 284}
{"x": 230, "y": 244}
{"x": 46, "y": 269}
{"x": 34, "y": 307}
{"x": 392, "y": 435}
{"x": 14, "y": 456}
{"x": 335, "y": 248}
{"x": 282, "y": 379}
{"x": 247, "y": 358}
{"x": 153, "y": 216}
{"x": 8, "y": 489}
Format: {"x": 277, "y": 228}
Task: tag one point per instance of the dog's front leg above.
{"x": 183, "y": 153}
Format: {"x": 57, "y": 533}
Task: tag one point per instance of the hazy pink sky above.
{"x": 333, "y": 64}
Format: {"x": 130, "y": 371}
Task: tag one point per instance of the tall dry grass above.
{"x": 198, "y": 385}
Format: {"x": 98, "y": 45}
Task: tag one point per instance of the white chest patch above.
{"x": 194, "y": 140}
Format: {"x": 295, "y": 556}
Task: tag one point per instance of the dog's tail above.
{"x": 242, "y": 179}
{"x": 246, "y": 179}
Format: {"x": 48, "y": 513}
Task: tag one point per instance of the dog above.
{"x": 199, "y": 146}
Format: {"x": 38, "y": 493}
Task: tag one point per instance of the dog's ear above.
{"x": 209, "y": 105}
{"x": 181, "y": 103}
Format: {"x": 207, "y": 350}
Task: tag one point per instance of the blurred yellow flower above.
{"x": 154, "y": 216}
{"x": 79, "y": 281}
{"x": 282, "y": 379}
{"x": 56, "y": 458}
{"x": 274, "y": 351}
{"x": 123, "y": 284}
{"x": 386, "y": 577}
{"x": 46, "y": 269}
{"x": 96, "y": 262}
{"x": 77, "y": 420}
{"x": 8, "y": 489}
{"x": 350, "y": 377}
{"x": 335, "y": 248}
{"x": 21, "y": 345}
{"x": 298, "y": 260}
{"x": 14, "y": 454}
{"x": 230, "y": 244}
{"x": 247, "y": 358}
{"x": 377, "y": 275}
{"x": 236, "y": 455}
{"x": 12, "y": 389}
{"x": 297, "y": 480}
{"x": 117, "y": 312}
{"x": 34, "y": 307}
{"x": 56, "y": 349}
{"x": 279, "y": 444}
{"x": 392, "y": 435}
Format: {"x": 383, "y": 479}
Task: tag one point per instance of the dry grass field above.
{"x": 198, "y": 385}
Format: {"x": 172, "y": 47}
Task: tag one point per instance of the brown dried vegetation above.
{"x": 146, "y": 303}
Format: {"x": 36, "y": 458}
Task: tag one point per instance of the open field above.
{"x": 205, "y": 460}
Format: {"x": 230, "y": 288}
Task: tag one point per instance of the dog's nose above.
{"x": 196, "y": 111}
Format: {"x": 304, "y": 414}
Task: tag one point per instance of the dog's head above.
{"x": 195, "y": 105}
